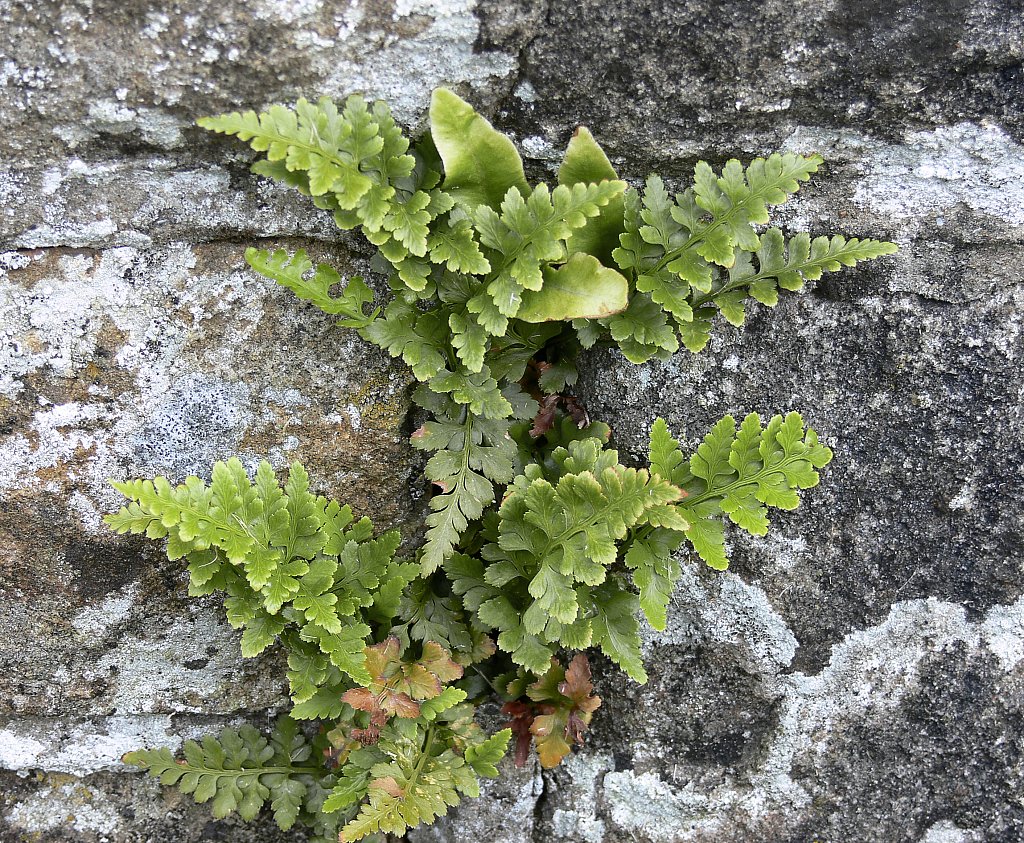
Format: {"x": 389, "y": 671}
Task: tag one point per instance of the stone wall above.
{"x": 857, "y": 676}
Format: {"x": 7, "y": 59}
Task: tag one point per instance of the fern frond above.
{"x": 471, "y": 455}
{"x": 420, "y": 339}
{"x": 429, "y": 616}
{"x": 655, "y": 571}
{"x": 425, "y": 769}
{"x": 556, "y": 540}
{"x": 397, "y": 686}
{"x": 291, "y": 271}
{"x": 787, "y": 266}
{"x": 478, "y": 391}
{"x": 737, "y": 199}
{"x": 642, "y": 330}
{"x": 530, "y": 232}
{"x": 454, "y": 245}
{"x": 240, "y": 771}
{"x": 338, "y": 151}
{"x": 616, "y": 630}
{"x": 698, "y": 251}
{"x": 469, "y": 339}
{"x": 739, "y": 473}
{"x": 357, "y": 163}
{"x": 287, "y": 560}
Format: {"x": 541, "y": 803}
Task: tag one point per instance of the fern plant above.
{"x": 539, "y": 540}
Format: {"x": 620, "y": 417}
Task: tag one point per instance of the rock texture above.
{"x": 857, "y": 676}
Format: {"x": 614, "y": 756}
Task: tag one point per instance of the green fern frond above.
{"x": 420, "y": 339}
{"x": 698, "y": 249}
{"x": 454, "y": 245}
{"x": 341, "y": 152}
{"x": 240, "y": 771}
{"x": 557, "y": 538}
{"x": 472, "y": 453}
{"x": 422, "y": 773}
{"x": 738, "y": 473}
{"x": 427, "y": 615}
{"x": 786, "y": 266}
{"x": 529, "y": 233}
{"x": 655, "y": 571}
{"x": 290, "y": 271}
{"x": 287, "y": 560}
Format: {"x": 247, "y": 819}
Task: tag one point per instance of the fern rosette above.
{"x": 539, "y": 539}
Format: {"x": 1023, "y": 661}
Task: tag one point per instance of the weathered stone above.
{"x": 111, "y": 806}
{"x": 669, "y": 80}
{"x": 856, "y": 676}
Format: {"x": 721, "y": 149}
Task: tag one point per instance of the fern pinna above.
{"x": 539, "y": 540}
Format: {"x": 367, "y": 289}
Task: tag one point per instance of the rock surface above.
{"x": 858, "y": 675}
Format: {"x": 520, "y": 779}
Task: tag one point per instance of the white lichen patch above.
{"x": 977, "y": 166}
{"x": 81, "y": 747}
{"x": 70, "y": 806}
{"x": 783, "y": 553}
{"x": 642, "y": 804}
{"x": 577, "y": 818}
{"x": 540, "y": 148}
{"x": 78, "y": 748}
{"x": 740, "y": 615}
{"x": 1003, "y": 632}
{"x": 52, "y": 438}
{"x": 131, "y": 203}
{"x": 405, "y": 70}
{"x": 933, "y": 172}
{"x": 19, "y": 751}
{"x": 199, "y": 420}
{"x": 945, "y": 831}
{"x": 92, "y": 622}
{"x": 55, "y": 326}
{"x": 288, "y": 11}
{"x": 87, "y": 513}
{"x": 178, "y": 335}
{"x": 869, "y": 673}
{"x": 868, "y": 676}
{"x": 193, "y": 665}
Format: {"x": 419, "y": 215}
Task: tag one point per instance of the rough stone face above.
{"x": 856, "y": 676}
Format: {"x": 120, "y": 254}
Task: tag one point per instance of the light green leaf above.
{"x": 480, "y": 163}
{"x": 655, "y": 572}
{"x": 584, "y": 160}
{"x": 454, "y": 245}
{"x": 450, "y": 696}
{"x": 665, "y": 459}
{"x": 314, "y": 596}
{"x": 581, "y": 289}
{"x": 616, "y": 631}
{"x": 291, "y": 272}
{"x": 469, "y": 339}
{"x": 260, "y": 633}
{"x": 483, "y": 757}
{"x": 696, "y": 333}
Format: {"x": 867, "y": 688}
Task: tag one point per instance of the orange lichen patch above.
{"x": 44, "y": 264}
{"x": 33, "y": 343}
{"x": 362, "y": 467}
{"x": 59, "y": 471}
{"x": 101, "y": 370}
